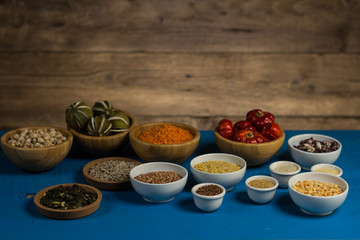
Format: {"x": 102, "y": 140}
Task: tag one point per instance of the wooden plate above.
{"x": 107, "y": 185}
{"x": 68, "y": 214}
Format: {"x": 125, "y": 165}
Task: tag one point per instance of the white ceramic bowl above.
{"x": 315, "y": 167}
{"x": 314, "y": 205}
{"x": 283, "y": 177}
{"x": 158, "y": 193}
{"x": 261, "y": 195}
{"x": 227, "y": 180}
{"x": 307, "y": 159}
{"x": 208, "y": 203}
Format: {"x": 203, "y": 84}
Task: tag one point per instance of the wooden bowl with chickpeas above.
{"x": 37, "y": 148}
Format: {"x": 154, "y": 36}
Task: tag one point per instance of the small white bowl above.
{"x": 324, "y": 165}
{"x": 158, "y": 193}
{"x": 208, "y": 203}
{"x": 283, "y": 177}
{"x": 308, "y": 159}
{"x": 227, "y": 180}
{"x": 261, "y": 195}
{"x": 314, "y": 205}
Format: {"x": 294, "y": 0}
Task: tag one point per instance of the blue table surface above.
{"x": 125, "y": 215}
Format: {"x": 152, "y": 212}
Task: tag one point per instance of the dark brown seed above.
{"x": 209, "y": 190}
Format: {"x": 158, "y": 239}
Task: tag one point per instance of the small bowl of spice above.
{"x": 158, "y": 182}
{"x": 164, "y": 141}
{"x": 208, "y": 196}
{"x": 68, "y": 201}
{"x": 111, "y": 173}
{"x": 327, "y": 168}
{"x": 310, "y": 149}
{"x": 317, "y": 193}
{"x": 38, "y": 148}
{"x": 261, "y": 189}
{"x": 224, "y": 169}
{"x": 282, "y": 171}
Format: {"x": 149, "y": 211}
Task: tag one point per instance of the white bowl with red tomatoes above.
{"x": 257, "y": 138}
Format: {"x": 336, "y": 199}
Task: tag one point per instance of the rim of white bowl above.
{"x": 327, "y": 165}
{"x": 155, "y": 163}
{"x": 319, "y": 173}
{"x": 262, "y": 177}
{"x": 278, "y": 163}
{"x": 197, "y": 186}
{"x": 313, "y": 135}
{"x": 223, "y": 154}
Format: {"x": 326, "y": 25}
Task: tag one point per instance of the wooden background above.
{"x": 188, "y": 61}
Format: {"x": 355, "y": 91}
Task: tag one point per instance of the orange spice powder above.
{"x": 166, "y": 134}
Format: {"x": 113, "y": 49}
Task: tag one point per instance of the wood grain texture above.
{"x": 195, "y": 88}
{"x": 248, "y": 26}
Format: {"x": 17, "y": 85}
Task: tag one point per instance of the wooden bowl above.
{"x": 68, "y": 214}
{"x": 254, "y": 154}
{"x": 107, "y": 185}
{"x": 103, "y": 146}
{"x": 36, "y": 159}
{"x": 175, "y": 153}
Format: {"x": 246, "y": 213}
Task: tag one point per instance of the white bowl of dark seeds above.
{"x": 310, "y": 149}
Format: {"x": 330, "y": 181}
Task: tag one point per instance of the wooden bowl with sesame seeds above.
{"x": 103, "y": 146}
{"x": 40, "y": 158}
{"x": 117, "y": 177}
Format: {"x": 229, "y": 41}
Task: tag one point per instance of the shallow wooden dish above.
{"x": 175, "y": 153}
{"x": 254, "y": 154}
{"x": 102, "y": 146}
{"x": 107, "y": 185}
{"x": 36, "y": 159}
{"x": 68, "y": 214}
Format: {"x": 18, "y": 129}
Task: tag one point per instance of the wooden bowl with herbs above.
{"x": 68, "y": 201}
{"x": 111, "y": 173}
{"x": 164, "y": 141}
{"x": 37, "y": 148}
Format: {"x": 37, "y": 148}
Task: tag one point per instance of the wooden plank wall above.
{"x": 182, "y": 60}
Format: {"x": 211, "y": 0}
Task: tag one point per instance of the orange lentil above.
{"x": 166, "y": 134}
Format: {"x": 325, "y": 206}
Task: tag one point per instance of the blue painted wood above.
{"x": 125, "y": 215}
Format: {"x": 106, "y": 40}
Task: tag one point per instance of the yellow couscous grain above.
{"x": 217, "y": 167}
{"x": 327, "y": 170}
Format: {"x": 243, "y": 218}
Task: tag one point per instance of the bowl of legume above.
{"x": 164, "y": 141}
{"x": 261, "y": 189}
{"x": 318, "y": 193}
{"x": 282, "y": 171}
{"x": 158, "y": 182}
{"x": 110, "y": 173}
{"x": 221, "y": 168}
{"x": 37, "y": 148}
{"x": 310, "y": 149}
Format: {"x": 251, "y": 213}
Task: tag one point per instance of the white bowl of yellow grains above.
{"x": 318, "y": 193}
{"x": 224, "y": 169}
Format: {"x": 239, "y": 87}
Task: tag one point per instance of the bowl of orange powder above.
{"x": 164, "y": 141}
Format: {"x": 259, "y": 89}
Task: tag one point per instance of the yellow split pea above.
{"x": 217, "y": 167}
